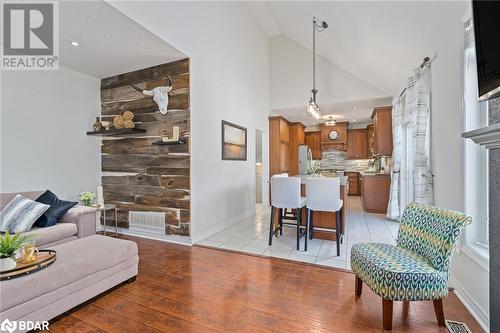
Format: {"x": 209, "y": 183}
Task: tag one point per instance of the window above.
{"x": 475, "y": 157}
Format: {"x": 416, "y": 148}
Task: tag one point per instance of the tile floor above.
{"x": 251, "y": 235}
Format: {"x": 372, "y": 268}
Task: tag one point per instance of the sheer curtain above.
{"x": 418, "y": 114}
{"x": 397, "y": 146}
{"x": 418, "y": 106}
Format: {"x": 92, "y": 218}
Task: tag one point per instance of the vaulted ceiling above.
{"x": 376, "y": 41}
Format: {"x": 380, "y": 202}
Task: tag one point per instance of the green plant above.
{"x": 10, "y": 244}
{"x": 87, "y": 198}
{"x": 313, "y": 168}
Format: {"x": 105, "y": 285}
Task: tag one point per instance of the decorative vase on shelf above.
{"x": 97, "y": 124}
{"x": 7, "y": 263}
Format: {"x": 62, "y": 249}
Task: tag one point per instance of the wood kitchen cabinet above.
{"x": 353, "y": 180}
{"x": 382, "y": 129}
{"x": 371, "y": 140}
{"x": 339, "y": 143}
{"x": 297, "y": 138}
{"x": 279, "y": 142}
{"x": 375, "y": 190}
{"x": 313, "y": 141}
{"x": 357, "y": 144}
{"x": 284, "y": 141}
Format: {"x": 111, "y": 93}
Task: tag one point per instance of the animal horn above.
{"x": 143, "y": 91}
{"x": 136, "y": 88}
{"x": 169, "y": 81}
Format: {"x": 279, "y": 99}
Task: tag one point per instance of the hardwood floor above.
{"x": 196, "y": 289}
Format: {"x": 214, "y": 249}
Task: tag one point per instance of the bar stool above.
{"x": 323, "y": 195}
{"x": 285, "y": 194}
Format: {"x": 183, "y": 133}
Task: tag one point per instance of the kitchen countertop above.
{"x": 364, "y": 173}
{"x": 343, "y": 179}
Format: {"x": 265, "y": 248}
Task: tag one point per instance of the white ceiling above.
{"x": 110, "y": 43}
{"x": 380, "y": 42}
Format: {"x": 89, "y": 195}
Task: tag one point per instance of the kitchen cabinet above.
{"x": 353, "y": 180}
{"x": 279, "y": 141}
{"x": 296, "y": 138}
{"x": 375, "y": 190}
{"x": 313, "y": 141}
{"x": 382, "y": 129}
{"x": 371, "y": 140}
{"x": 338, "y": 143}
{"x": 357, "y": 144}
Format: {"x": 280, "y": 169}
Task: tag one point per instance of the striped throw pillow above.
{"x": 20, "y": 214}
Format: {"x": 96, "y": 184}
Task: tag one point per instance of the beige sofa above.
{"x": 78, "y": 222}
{"x": 84, "y": 268}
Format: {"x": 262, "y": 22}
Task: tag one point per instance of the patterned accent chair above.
{"x": 418, "y": 267}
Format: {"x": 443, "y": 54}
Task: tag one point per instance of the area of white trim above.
{"x": 479, "y": 314}
{"x": 478, "y": 254}
{"x": 181, "y": 240}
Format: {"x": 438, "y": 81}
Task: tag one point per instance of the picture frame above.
{"x": 233, "y": 142}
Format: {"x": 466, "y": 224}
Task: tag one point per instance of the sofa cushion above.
{"x": 52, "y": 234}
{"x": 57, "y": 209}
{"x": 20, "y": 214}
{"x": 76, "y": 261}
{"x": 397, "y": 274}
{"x": 5, "y": 198}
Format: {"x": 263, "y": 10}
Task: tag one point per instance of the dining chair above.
{"x": 417, "y": 268}
{"x": 285, "y": 194}
{"x": 323, "y": 195}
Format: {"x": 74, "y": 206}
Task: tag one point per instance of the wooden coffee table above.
{"x": 44, "y": 259}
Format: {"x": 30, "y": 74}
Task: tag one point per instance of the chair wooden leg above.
{"x": 358, "y": 286}
{"x": 438, "y": 309}
{"x": 271, "y": 226}
{"x": 387, "y": 313}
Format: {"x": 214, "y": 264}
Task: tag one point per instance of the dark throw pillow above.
{"x": 57, "y": 209}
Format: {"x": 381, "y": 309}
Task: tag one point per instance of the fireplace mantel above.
{"x": 488, "y": 137}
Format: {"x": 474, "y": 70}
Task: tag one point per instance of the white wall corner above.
{"x": 482, "y": 316}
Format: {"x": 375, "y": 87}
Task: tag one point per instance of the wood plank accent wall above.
{"x": 137, "y": 175}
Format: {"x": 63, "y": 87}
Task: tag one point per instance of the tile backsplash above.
{"x": 335, "y": 159}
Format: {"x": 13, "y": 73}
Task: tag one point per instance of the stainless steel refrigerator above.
{"x": 305, "y": 157}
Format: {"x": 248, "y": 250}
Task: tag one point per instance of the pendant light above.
{"x": 312, "y": 105}
{"x": 331, "y": 122}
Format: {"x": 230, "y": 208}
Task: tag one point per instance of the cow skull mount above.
{"x": 160, "y": 95}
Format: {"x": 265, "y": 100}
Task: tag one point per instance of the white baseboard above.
{"x": 181, "y": 240}
{"x": 482, "y": 317}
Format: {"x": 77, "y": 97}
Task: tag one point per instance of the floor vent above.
{"x": 457, "y": 327}
{"x": 151, "y": 222}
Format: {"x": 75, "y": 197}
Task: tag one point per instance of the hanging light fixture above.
{"x": 312, "y": 106}
{"x": 331, "y": 122}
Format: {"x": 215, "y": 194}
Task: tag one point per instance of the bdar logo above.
{"x": 8, "y": 325}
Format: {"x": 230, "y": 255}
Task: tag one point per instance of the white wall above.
{"x": 229, "y": 81}
{"x": 291, "y": 77}
{"x": 44, "y": 118}
{"x": 468, "y": 277}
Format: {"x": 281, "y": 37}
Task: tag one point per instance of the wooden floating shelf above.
{"x": 117, "y": 132}
{"x": 170, "y": 143}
